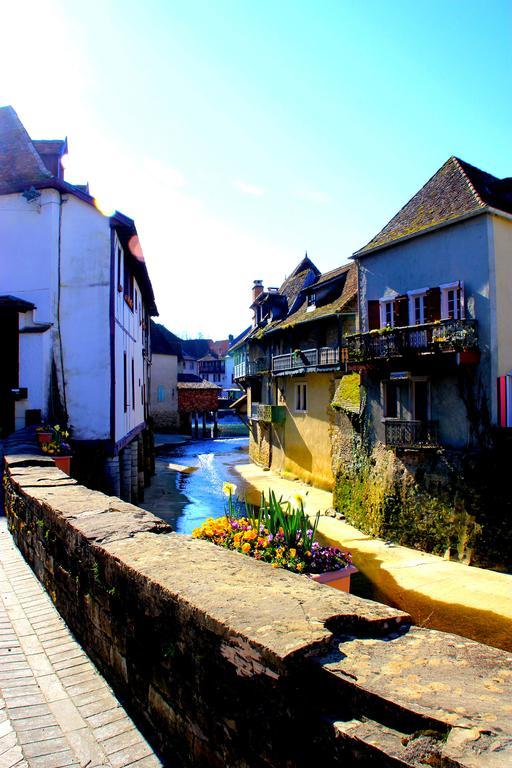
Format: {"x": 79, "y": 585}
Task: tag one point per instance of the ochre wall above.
{"x": 503, "y": 266}
{"x": 302, "y": 446}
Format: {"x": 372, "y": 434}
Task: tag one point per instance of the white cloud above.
{"x": 248, "y": 189}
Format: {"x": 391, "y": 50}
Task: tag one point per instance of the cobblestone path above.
{"x": 55, "y": 708}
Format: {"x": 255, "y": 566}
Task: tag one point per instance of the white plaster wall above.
{"x": 129, "y": 339}
{"x": 84, "y": 318}
{"x": 28, "y": 247}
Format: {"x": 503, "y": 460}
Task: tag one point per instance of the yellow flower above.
{"x": 57, "y": 428}
{"x": 246, "y": 547}
{"x": 275, "y": 565}
{"x": 299, "y": 499}
{"x": 300, "y": 566}
{"x": 228, "y": 489}
{"x": 293, "y": 552}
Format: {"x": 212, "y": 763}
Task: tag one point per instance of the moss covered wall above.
{"x": 446, "y": 502}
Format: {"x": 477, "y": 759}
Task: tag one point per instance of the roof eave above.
{"x": 448, "y": 223}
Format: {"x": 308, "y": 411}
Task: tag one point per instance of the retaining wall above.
{"x": 226, "y": 661}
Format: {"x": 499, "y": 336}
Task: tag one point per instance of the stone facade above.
{"x": 228, "y": 662}
{"x": 260, "y": 443}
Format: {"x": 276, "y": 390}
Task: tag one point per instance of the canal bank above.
{"x": 437, "y": 593}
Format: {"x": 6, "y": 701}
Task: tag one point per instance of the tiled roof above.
{"x": 20, "y": 164}
{"x": 457, "y": 189}
{"x": 341, "y": 302}
{"x": 334, "y": 273}
{"x": 163, "y": 342}
{"x": 185, "y": 382}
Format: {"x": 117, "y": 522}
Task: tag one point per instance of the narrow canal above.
{"x": 187, "y": 487}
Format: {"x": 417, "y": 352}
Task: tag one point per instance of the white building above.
{"x": 75, "y": 302}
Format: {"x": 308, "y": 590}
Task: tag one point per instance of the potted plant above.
{"x": 279, "y": 533}
{"x": 59, "y": 449}
{"x": 44, "y": 434}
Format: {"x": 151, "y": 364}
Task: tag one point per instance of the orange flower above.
{"x": 246, "y": 547}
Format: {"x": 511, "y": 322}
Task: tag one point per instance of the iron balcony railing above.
{"x": 441, "y": 336}
{"x": 411, "y": 434}
{"x": 271, "y": 414}
{"x": 306, "y": 358}
{"x": 249, "y": 368}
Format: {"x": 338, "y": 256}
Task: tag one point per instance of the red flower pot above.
{"x": 44, "y": 437}
{"x": 339, "y": 579}
{"x": 63, "y": 463}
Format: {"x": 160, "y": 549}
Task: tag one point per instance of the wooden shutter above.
{"x": 401, "y": 311}
{"x": 433, "y": 305}
{"x": 502, "y": 401}
{"x": 373, "y": 314}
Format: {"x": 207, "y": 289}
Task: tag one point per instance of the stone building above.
{"x": 291, "y": 363}
{"x": 435, "y": 357}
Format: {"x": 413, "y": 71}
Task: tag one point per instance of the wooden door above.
{"x": 9, "y": 368}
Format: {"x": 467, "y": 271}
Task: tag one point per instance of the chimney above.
{"x": 257, "y": 288}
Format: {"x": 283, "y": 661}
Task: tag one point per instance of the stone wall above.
{"x": 260, "y": 443}
{"x": 225, "y": 661}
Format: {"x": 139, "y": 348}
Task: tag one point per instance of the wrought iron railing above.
{"x": 305, "y": 358}
{"x": 411, "y": 434}
{"x": 441, "y": 336}
{"x": 271, "y": 414}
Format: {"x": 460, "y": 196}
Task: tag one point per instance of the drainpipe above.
{"x": 59, "y": 332}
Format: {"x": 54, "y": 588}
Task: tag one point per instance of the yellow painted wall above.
{"x": 502, "y": 230}
{"x": 302, "y": 445}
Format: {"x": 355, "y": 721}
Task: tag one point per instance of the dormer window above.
{"x": 312, "y": 299}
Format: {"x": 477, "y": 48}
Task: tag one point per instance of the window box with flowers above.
{"x": 280, "y": 533}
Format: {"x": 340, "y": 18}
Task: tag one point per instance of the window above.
{"x": 160, "y": 394}
{"x": 125, "y": 383}
{"x": 301, "y": 398}
{"x": 452, "y": 301}
{"x": 391, "y": 399}
{"x": 119, "y": 267}
{"x": 133, "y": 385}
{"x": 311, "y": 300}
{"x": 386, "y": 313}
{"x": 417, "y": 306}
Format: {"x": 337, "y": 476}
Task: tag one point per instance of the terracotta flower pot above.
{"x": 339, "y": 579}
{"x": 63, "y": 463}
{"x": 44, "y": 437}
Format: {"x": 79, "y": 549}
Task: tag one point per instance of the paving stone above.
{"x": 129, "y": 755}
{"x": 108, "y": 716}
{"x": 30, "y": 723}
{"x": 13, "y": 757}
{"x": 33, "y": 735}
{"x": 59, "y": 760}
{"x": 121, "y": 741}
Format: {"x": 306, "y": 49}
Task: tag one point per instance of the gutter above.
{"x": 448, "y": 223}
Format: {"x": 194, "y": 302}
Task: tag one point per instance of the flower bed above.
{"x": 276, "y": 532}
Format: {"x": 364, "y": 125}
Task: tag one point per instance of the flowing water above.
{"x": 188, "y": 484}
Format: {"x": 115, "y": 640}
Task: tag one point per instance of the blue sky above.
{"x": 239, "y": 134}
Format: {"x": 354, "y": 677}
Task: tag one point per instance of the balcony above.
{"x": 414, "y": 340}
{"x": 249, "y": 368}
{"x": 269, "y": 414}
{"x": 411, "y": 434}
{"x": 323, "y": 357}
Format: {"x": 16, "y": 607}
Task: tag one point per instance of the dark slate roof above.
{"x": 163, "y": 342}
{"x": 13, "y": 302}
{"x": 238, "y": 340}
{"x": 20, "y": 164}
{"x": 195, "y": 348}
{"x": 456, "y": 190}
